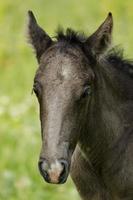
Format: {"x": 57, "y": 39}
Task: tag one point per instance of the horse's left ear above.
{"x": 101, "y": 39}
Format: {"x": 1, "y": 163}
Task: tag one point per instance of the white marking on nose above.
{"x": 66, "y": 73}
{"x": 55, "y": 171}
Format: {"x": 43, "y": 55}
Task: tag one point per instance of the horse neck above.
{"x": 105, "y": 121}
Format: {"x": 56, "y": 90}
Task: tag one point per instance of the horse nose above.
{"x": 55, "y": 172}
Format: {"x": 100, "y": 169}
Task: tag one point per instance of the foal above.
{"x": 85, "y": 96}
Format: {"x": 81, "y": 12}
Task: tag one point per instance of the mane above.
{"x": 115, "y": 56}
{"x": 70, "y": 36}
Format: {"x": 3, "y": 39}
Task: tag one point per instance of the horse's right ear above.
{"x": 37, "y": 36}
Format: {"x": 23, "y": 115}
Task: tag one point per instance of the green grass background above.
{"x": 20, "y": 139}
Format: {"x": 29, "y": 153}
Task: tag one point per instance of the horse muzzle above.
{"x": 55, "y": 172}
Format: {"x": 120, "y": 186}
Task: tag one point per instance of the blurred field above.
{"x": 20, "y": 139}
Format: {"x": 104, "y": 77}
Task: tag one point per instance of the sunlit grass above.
{"x": 20, "y": 139}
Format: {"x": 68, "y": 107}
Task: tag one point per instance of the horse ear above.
{"x": 37, "y": 36}
{"x": 100, "y": 40}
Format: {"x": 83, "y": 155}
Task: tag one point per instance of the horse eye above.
{"x": 36, "y": 89}
{"x": 87, "y": 91}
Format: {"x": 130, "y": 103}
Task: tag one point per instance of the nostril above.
{"x": 64, "y": 170}
{"x": 64, "y": 163}
{"x": 43, "y": 167}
